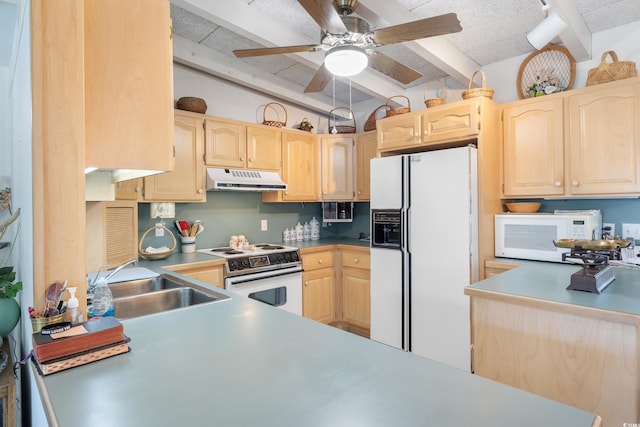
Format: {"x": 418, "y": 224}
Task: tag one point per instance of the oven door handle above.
{"x": 237, "y": 280}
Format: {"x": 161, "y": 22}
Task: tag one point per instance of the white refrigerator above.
{"x": 424, "y": 251}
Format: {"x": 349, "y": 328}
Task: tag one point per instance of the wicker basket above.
{"x": 195, "y": 105}
{"x": 335, "y": 128}
{"x": 370, "y": 124}
{"x": 305, "y": 125}
{"x": 552, "y": 60}
{"x": 611, "y": 71}
{"x": 481, "y": 91}
{"x": 434, "y": 102}
{"x": 400, "y": 110}
{"x": 275, "y": 123}
{"x": 152, "y": 256}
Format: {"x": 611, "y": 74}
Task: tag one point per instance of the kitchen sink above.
{"x": 143, "y": 297}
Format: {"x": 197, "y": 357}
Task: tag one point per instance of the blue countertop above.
{"x": 242, "y": 363}
{"x": 547, "y": 281}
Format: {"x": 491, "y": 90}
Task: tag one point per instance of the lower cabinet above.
{"x": 356, "y": 296}
{"x": 208, "y": 273}
{"x": 319, "y": 286}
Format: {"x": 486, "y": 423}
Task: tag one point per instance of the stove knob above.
{"x": 279, "y": 258}
{"x": 245, "y": 263}
{"x": 287, "y": 257}
{"x": 233, "y": 265}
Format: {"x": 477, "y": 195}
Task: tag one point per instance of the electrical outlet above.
{"x": 159, "y": 230}
{"x": 609, "y": 229}
{"x": 631, "y": 230}
{"x": 263, "y": 225}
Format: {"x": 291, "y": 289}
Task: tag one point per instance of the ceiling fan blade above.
{"x": 420, "y": 29}
{"x": 393, "y": 68}
{"x": 325, "y": 15}
{"x": 245, "y": 53}
{"x": 319, "y": 80}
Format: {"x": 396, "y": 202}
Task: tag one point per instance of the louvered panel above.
{"x": 121, "y": 236}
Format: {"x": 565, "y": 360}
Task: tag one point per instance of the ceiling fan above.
{"x": 350, "y": 45}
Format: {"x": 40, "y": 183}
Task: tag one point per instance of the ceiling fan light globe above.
{"x": 346, "y": 61}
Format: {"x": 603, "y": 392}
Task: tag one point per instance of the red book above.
{"x": 82, "y": 358}
{"x": 88, "y": 335}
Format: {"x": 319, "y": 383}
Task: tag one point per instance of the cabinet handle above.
{"x": 320, "y": 261}
{"x": 242, "y": 159}
{"x": 306, "y": 283}
{"x": 575, "y": 183}
{"x": 359, "y": 192}
{"x": 199, "y": 190}
{"x": 558, "y": 184}
{"x": 356, "y": 260}
{"x": 251, "y": 159}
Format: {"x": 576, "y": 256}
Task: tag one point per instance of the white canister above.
{"x": 286, "y": 235}
{"x": 299, "y": 232}
{"x": 306, "y": 232}
{"x": 315, "y": 228}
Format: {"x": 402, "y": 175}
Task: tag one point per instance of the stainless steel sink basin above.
{"x": 155, "y": 295}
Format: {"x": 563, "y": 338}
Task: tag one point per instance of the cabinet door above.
{"x": 604, "y": 138}
{"x": 337, "y": 167}
{"x": 318, "y": 295}
{"x": 356, "y": 298}
{"x": 186, "y": 182}
{"x": 225, "y": 144}
{"x": 366, "y": 149}
{"x": 401, "y": 131}
{"x": 300, "y": 166}
{"x": 130, "y": 189}
{"x": 264, "y": 149}
{"x": 211, "y": 275}
{"x": 533, "y": 148}
{"x": 128, "y": 85}
{"x": 451, "y": 122}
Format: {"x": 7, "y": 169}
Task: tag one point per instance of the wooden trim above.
{"x": 59, "y": 247}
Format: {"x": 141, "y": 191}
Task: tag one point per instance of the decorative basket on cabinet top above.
{"x": 195, "y": 105}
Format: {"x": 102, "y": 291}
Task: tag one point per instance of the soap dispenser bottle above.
{"x": 72, "y": 306}
{"x": 102, "y": 299}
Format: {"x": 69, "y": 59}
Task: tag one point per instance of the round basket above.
{"x": 550, "y": 60}
{"x": 305, "y": 125}
{"x": 335, "y": 128}
{"x": 152, "y": 256}
{"x": 370, "y": 124}
{"x": 481, "y": 91}
{"x": 195, "y": 105}
{"x": 275, "y": 123}
{"x": 400, "y": 110}
{"x": 434, "y": 102}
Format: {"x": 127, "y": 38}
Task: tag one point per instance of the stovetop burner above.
{"x": 256, "y": 258}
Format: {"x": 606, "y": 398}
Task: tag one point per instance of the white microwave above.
{"x": 531, "y": 236}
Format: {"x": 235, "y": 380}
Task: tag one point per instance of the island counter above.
{"x": 241, "y": 363}
{"x": 579, "y": 348}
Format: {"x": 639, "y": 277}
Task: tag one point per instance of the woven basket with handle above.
{"x": 479, "y": 91}
{"x": 400, "y": 110}
{"x": 434, "y": 102}
{"x": 335, "y": 128}
{"x": 156, "y": 255}
{"x": 276, "y": 123}
{"x": 611, "y": 71}
{"x": 370, "y": 124}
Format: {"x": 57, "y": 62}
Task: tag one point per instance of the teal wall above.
{"x": 233, "y": 213}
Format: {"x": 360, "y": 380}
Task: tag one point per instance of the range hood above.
{"x": 243, "y": 180}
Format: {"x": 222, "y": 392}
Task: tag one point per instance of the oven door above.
{"x": 278, "y": 288}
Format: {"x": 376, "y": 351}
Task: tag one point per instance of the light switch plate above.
{"x": 631, "y": 230}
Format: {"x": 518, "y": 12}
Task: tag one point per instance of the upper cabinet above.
{"x": 299, "y": 168}
{"x": 366, "y": 149}
{"x": 533, "y": 147}
{"x": 128, "y": 85}
{"x": 337, "y": 167}
{"x": 579, "y": 143}
{"x": 234, "y": 144}
{"x": 187, "y": 182}
{"x": 401, "y": 131}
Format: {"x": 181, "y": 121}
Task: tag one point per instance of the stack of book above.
{"x": 84, "y": 343}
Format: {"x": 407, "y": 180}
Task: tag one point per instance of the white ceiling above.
{"x": 206, "y": 33}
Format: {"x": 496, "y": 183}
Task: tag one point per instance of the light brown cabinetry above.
{"x": 493, "y": 268}
{"x": 8, "y": 402}
{"x": 234, "y": 144}
{"x": 130, "y": 189}
{"x": 579, "y": 143}
{"x": 449, "y": 122}
{"x": 299, "y": 168}
{"x": 187, "y": 182}
{"x": 207, "y": 272}
{"x": 337, "y": 167}
{"x": 401, "y": 131}
{"x": 128, "y": 85}
{"x": 534, "y": 147}
{"x": 355, "y": 283}
{"x": 319, "y": 285}
{"x": 366, "y": 149}
{"x": 112, "y": 233}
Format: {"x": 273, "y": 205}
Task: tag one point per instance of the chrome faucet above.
{"x": 92, "y": 285}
